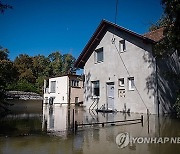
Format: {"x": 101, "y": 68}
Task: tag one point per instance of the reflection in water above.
{"x": 89, "y": 140}
{"x": 55, "y": 120}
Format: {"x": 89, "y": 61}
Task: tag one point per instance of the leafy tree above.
{"x": 68, "y": 64}
{"x": 8, "y": 74}
{"x": 40, "y": 83}
{"x": 170, "y": 21}
{"x": 27, "y": 73}
{"x": 4, "y": 54}
{"x": 55, "y": 63}
{"x": 22, "y": 85}
{"x": 24, "y": 64}
{"x": 40, "y": 66}
{"x": 3, "y": 7}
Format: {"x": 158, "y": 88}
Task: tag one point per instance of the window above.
{"x": 53, "y": 86}
{"x": 95, "y": 88}
{"x": 99, "y": 55}
{"x": 74, "y": 83}
{"x": 122, "y": 46}
{"x": 77, "y": 83}
{"x": 131, "y": 84}
{"x": 121, "y": 82}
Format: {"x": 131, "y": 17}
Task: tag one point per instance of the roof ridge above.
{"x": 97, "y": 36}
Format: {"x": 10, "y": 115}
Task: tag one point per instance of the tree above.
{"x": 3, "y": 7}
{"x": 4, "y": 54}
{"x": 170, "y": 21}
{"x": 56, "y": 64}
{"x": 68, "y": 64}
{"x": 8, "y": 74}
{"x": 24, "y": 64}
{"x": 40, "y": 66}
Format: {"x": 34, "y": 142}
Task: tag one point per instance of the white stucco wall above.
{"x": 61, "y": 92}
{"x": 139, "y": 63}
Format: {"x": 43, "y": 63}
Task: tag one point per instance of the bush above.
{"x": 23, "y": 85}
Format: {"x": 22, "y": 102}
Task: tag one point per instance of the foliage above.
{"x": 177, "y": 105}
{"x": 8, "y": 74}
{"x": 170, "y": 21}
{"x": 68, "y": 64}
{"x": 32, "y": 70}
{"x": 3, "y": 7}
{"x": 22, "y": 85}
{"x": 4, "y": 53}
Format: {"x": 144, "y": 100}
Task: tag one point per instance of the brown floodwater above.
{"x": 49, "y": 131}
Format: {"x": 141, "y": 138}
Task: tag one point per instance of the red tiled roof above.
{"x": 155, "y": 35}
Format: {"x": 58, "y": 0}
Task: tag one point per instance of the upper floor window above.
{"x": 99, "y": 56}
{"x": 74, "y": 83}
{"x": 53, "y": 86}
{"x": 131, "y": 84}
{"x": 122, "y": 45}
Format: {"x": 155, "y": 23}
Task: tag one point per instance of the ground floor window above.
{"x": 121, "y": 82}
{"x": 95, "y": 88}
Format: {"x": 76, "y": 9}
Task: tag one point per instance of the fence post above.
{"x": 76, "y": 126}
{"x": 73, "y": 120}
{"x": 102, "y": 124}
{"x": 148, "y": 119}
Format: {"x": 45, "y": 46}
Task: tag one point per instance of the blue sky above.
{"x": 43, "y": 26}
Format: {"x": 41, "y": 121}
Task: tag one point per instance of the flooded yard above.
{"x": 49, "y": 132}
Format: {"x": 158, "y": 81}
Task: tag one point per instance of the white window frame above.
{"x": 93, "y": 85}
{"x": 122, "y": 45}
{"x": 131, "y": 84}
{"x": 53, "y": 90}
{"x": 120, "y": 82}
{"x": 96, "y": 55}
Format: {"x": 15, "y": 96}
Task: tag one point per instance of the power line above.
{"x": 130, "y": 75}
{"x": 116, "y": 12}
{"x": 113, "y": 42}
{"x": 115, "y": 19}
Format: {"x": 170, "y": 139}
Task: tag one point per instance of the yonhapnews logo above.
{"x": 124, "y": 139}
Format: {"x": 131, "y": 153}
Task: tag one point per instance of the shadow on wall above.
{"x": 168, "y": 70}
{"x": 88, "y": 89}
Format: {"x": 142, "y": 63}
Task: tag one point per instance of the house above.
{"x": 122, "y": 74}
{"x": 63, "y": 90}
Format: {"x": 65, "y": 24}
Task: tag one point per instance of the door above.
{"x": 110, "y": 96}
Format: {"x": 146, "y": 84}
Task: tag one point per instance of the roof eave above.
{"x": 94, "y": 39}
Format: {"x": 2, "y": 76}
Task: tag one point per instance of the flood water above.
{"x": 49, "y": 131}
